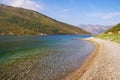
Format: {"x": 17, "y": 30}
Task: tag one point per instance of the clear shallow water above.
{"x": 41, "y": 57}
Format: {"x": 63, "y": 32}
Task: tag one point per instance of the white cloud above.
{"x": 66, "y": 10}
{"x": 111, "y": 15}
{"x": 106, "y": 15}
{"x": 28, "y": 4}
{"x": 95, "y": 15}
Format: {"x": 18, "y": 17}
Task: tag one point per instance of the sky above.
{"x": 75, "y": 12}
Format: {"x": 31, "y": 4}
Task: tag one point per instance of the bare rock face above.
{"x": 95, "y": 29}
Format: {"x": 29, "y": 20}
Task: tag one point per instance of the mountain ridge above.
{"x": 95, "y": 29}
{"x": 20, "y": 21}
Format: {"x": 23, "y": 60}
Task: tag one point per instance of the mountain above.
{"x": 95, "y": 29}
{"x": 112, "y": 34}
{"x": 114, "y": 30}
{"x": 19, "y": 21}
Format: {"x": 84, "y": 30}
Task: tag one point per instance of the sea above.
{"x": 50, "y": 57}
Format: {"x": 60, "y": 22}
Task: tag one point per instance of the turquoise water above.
{"x": 42, "y": 57}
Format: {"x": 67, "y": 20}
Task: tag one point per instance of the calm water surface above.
{"x": 41, "y": 57}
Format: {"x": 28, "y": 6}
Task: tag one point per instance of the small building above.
{"x": 11, "y": 33}
{"x": 42, "y": 34}
{"x": 118, "y": 32}
{"x": 2, "y": 34}
{"x": 110, "y": 32}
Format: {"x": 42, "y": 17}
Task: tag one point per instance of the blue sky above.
{"x": 104, "y": 12}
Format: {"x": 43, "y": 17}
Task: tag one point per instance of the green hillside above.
{"x": 112, "y": 34}
{"x": 19, "y": 21}
{"x": 114, "y": 30}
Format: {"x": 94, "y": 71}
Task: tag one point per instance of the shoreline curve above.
{"x": 102, "y": 64}
{"x": 79, "y": 72}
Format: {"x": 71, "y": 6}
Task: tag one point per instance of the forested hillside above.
{"x": 114, "y": 30}
{"x": 19, "y": 21}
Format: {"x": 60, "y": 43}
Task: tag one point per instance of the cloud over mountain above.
{"x": 28, "y": 4}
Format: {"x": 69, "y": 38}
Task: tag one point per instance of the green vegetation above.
{"x": 19, "y": 21}
{"x": 112, "y": 34}
{"x": 114, "y": 30}
{"x": 111, "y": 37}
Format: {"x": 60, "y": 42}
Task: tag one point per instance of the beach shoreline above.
{"x": 101, "y": 64}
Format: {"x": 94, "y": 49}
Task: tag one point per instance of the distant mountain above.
{"x": 114, "y": 30}
{"x": 19, "y": 21}
{"x": 95, "y": 29}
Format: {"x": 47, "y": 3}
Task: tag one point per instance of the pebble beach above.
{"x": 102, "y": 64}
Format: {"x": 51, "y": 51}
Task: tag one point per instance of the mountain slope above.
{"x": 94, "y": 29}
{"x": 112, "y": 34}
{"x": 19, "y": 21}
{"x": 114, "y": 30}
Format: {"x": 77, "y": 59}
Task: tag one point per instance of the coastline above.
{"x": 80, "y": 72}
{"x": 102, "y": 64}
